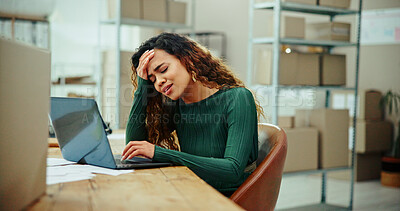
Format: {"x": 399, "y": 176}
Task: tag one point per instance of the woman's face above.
{"x": 169, "y": 76}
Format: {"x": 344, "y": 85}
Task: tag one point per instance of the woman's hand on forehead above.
{"x": 144, "y": 60}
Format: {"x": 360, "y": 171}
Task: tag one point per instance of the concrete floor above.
{"x": 302, "y": 190}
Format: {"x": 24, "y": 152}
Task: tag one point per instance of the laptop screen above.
{"x": 80, "y": 131}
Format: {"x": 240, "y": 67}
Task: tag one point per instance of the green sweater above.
{"x": 217, "y": 135}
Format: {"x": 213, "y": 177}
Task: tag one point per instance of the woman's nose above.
{"x": 160, "y": 82}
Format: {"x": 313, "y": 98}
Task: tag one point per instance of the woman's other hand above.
{"x": 135, "y": 148}
{"x": 143, "y": 64}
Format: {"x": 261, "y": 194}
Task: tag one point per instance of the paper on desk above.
{"x": 69, "y": 173}
{"x": 58, "y": 162}
{"x": 50, "y": 180}
{"x": 95, "y": 169}
{"x": 100, "y": 170}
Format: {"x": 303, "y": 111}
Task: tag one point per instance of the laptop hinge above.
{"x": 82, "y": 161}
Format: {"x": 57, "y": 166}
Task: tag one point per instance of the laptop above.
{"x": 80, "y": 131}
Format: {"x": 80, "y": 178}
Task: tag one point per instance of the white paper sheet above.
{"x": 70, "y": 173}
{"x": 58, "y": 162}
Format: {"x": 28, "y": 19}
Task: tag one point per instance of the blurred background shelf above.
{"x": 284, "y": 50}
{"x": 147, "y": 23}
{"x": 293, "y": 41}
{"x": 30, "y": 29}
{"x": 304, "y": 8}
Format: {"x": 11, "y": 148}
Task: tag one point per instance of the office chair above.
{"x": 261, "y": 189}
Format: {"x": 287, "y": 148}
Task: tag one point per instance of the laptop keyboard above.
{"x": 123, "y": 166}
{"x": 136, "y": 162}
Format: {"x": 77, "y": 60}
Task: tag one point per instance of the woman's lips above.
{"x": 167, "y": 90}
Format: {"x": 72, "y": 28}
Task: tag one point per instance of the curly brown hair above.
{"x": 211, "y": 71}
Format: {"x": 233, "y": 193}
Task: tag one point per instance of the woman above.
{"x": 185, "y": 93}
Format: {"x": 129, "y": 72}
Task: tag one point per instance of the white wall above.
{"x": 231, "y": 17}
{"x": 380, "y": 64}
{"x": 74, "y": 31}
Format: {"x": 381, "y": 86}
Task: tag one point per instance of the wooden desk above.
{"x": 169, "y": 188}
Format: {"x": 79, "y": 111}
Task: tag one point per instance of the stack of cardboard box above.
{"x": 302, "y": 69}
{"x": 109, "y": 87}
{"x": 373, "y": 137}
{"x": 153, "y": 10}
{"x": 302, "y": 152}
{"x": 317, "y": 139}
{"x": 332, "y": 126}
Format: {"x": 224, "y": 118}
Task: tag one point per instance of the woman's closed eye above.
{"x": 153, "y": 79}
{"x": 164, "y": 70}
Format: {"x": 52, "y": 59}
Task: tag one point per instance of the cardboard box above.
{"x": 302, "y": 151}
{"x": 286, "y": 121}
{"x": 366, "y": 167}
{"x": 373, "y": 136}
{"x": 369, "y": 105}
{"x": 295, "y": 68}
{"x": 109, "y": 87}
{"x": 291, "y": 27}
{"x": 302, "y": 118}
{"x": 176, "y": 12}
{"x": 129, "y": 9}
{"x": 263, "y": 67}
{"x": 312, "y": 2}
{"x": 333, "y": 127}
{"x": 308, "y": 69}
{"x": 334, "y": 31}
{"x": 155, "y": 10}
{"x": 109, "y": 59}
{"x": 335, "y": 3}
{"x": 24, "y": 108}
{"x": 288, "y": 68}
{"x": 333, "y": 69}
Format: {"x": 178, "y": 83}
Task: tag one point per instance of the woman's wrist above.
{"x": 143, "y": 84}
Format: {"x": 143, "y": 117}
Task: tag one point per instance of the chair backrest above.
{"x": 261, "y": 189}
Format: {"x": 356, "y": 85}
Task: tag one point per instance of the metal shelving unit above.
{"x": 118, "y": 22}
{"x": 276, "y": 41}
{"x": 292, "y": 41}
{"x": 146, "y": 23}
{"x": 38, "y": 32}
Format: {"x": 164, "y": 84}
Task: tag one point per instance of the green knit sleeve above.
{"x": 135, "y": 129}
{"x": 242, "y": 127}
